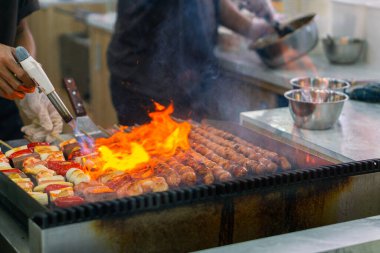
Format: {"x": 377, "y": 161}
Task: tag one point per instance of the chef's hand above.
{"x": 261, "y": 8}
{"x": 260, "y": 28}
{"x": 46, "y": 121}
{"x": 14, "y": 81}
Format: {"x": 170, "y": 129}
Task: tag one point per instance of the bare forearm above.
{"x": 233, "y": 19}
{"x": 24, "y": 38}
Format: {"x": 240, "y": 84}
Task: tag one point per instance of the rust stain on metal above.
{"x": 286, "y": 210}
{"x": 178, "y": 229}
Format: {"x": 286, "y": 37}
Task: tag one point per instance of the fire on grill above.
{"x": 164, "y": 154}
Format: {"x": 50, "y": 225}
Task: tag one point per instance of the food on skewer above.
{"x": 68, "y": 201}
{"x": 62, "y": 192}
{"x": 187, "y": 174}
{"x": 77, "y": 176}
{"x": 17, "y": 158}
{"x": 61, "y": 175}
{"x": 41, "y": 197}
{"x": 41, "y": 187}
{"x": 171, "y": 176}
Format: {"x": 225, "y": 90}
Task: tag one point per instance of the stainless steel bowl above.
{"x": 343, "y": 50}
{"x": 315, "y": 109}
{"x": 275, "y": 51}
{"x": 319, "y": 83}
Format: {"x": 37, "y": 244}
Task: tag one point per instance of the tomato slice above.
{"x": 68, "y": 201}
{"x": 20, "y": 153}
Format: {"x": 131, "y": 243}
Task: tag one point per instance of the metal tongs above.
{"x": 84, "y": 124}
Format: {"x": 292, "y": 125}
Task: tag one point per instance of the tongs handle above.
{"x": 75, "y": 97}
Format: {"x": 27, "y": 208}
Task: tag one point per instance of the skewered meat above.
{"x": 187, "y": 174}
{"x": 248, "y": 149}
{"x": 171, "y": 176}
{"x": 99, "y": 193}
{"x": 62, "y": 192}
{"x": 116, "y": 182}
{"x": 225, "y": 150}
{"x": 41, "y": 187}
{"x": 13, "y": 150}
{"x": 153, "y": 184}
{"x": 68, "y": 201}
{"x": 203, "y": 173}
{"x": 41, "y": 197}
{"x": 130, "y": 189}
{"x": 54, "y": 187}
{"x": 233, "y": 168}
{"x": 77, "y": 176}
{"x": 43, "y": 180}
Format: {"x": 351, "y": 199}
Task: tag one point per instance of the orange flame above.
{"x": 126, "y": 150}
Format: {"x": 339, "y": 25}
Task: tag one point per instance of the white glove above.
{"x": 261, "y": 8}
{"x": 46, "y": 121}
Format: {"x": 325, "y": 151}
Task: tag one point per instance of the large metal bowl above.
{"x": 315, "y": 109}
{"x": 319, "y": 83}
{"x": 275, "y": 51}
{"x": 343, "y": 50}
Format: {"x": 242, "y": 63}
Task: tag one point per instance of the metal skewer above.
{"x": 28, "y": 138}
{"x": 105, "y": 131}
{"x": 5, "y": 144}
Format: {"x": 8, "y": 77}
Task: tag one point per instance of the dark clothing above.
{"x": 163, "y": 50}
{"x": 11, "y": 13}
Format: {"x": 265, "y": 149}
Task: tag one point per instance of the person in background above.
{"x": 15, "y": 84}
{"x": 163, "y": 50}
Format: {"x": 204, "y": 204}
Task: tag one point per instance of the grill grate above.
{"x": 198, "y": 194}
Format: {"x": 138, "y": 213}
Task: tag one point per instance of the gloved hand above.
{"x": 261, "y": 8}
{"x": 14, "y": 81}
{"x": 46, "y": 121}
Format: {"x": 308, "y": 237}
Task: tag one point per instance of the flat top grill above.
{"x": 306, "y": 167}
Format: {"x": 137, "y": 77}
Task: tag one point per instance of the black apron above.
{"x": 163, "y": 50}
{"x": 11, "y": 13}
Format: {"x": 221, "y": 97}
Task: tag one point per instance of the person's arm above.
{"x": 231, "y": 18}
{"x": 24, "y": 38}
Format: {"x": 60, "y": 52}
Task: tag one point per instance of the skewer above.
{"x": 59, "y": 138}
{"x": 28, "y": 138}
{"x": 105, "y": 131}
{"x": 5, "y": 144}
{"x": 85, "y": 133}
{"x": 116, "y": 127}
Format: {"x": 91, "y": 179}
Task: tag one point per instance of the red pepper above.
{"x": 68, "y": 201}
{"x": 53, "y": 187}
{"x": 11, "y": 171}
{"x": 33, "y": 144}
{"x": 61, "y": 167}
{"x": 20, "y": 153}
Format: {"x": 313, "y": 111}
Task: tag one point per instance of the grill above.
{"x": 318, "y": 191}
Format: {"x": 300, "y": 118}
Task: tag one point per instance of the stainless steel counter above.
{"x": 49, "y": 3}
{"x": 248, "y": 64}
{"x": 354, "y": 137}
{"x": 354, "y": 236}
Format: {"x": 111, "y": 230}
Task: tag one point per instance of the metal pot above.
{"x": 276, "y": 50}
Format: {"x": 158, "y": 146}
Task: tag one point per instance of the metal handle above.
{"x": 74, "y": 95}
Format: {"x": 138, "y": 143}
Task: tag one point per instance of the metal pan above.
{"x": 276, "y": 51}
